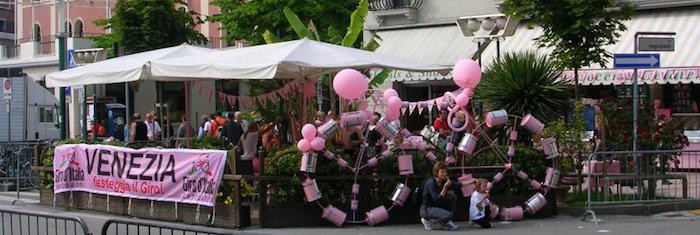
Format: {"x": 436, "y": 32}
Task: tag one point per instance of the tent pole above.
{"x": 187, "y": 113}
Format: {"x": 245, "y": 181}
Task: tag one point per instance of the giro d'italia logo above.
{"x": 68, "y": 159}
{"x": 201, "y": 166}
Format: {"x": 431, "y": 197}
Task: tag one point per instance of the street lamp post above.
{"x": 61, "y": 66}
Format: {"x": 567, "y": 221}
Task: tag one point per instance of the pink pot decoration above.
{"x": 498, "y": 177}
{"x": 532, "y": 124}
{"x": 304, "y": 145}
{"x": 431, "y": 156}
{"x": 318, "y": 144}
{"x": 328, "y": 129}
{"x": 387, "y": 153}
{"x": 449, "y": 160}
{"x": 308, "y": 162}
{"x": 489, "y": 186}
{"x": 405, "y": 132}
{"x": 468, "y": 184}
{"x": 535, "y": 203}
{"x": 549, "y": 146}
{"x": 330, "y": 155}
{"x": 341, "y": 162}
{"x": 496, "y": 118}
{"x": 350, "y": 84}
{"x": 466, "y": 73}
{"x": 355, "y": 189}
{"x": 386, "y": 129}
{"x": 512, "y": 213}
{"x": 536, "y": 185}
{"x": 388, "y": 93}
{"x": 449, "y": 147}
{"x": 334, "y": 215}
{"x": 372, "y": 161}
{"x": 405, "y": 165}
{"x": 400, "y": 194}
{"x": 511, "y": 151}
{"x": 308, "y": 132}
{"x": 350, "y": 119}
{"x": 513, "y": 135}
{"x": 522, "y": 175}
{"x": 552, "y": 177}
{"x": 376, "y": 216}
{"x": 311, "y": 190}
{"x": 468, "y": 143}
{"x": 354, "y": 204}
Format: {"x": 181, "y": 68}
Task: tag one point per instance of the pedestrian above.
{"x": 203, "y": 127}
{"x": 232, "y": 130}
{"x": 182, "y": 129}
{"x": 153, "y": 128}
{"x": 480, "y": 205}
{"x": 439, "y": 201}
{"x": 138, "y": 130}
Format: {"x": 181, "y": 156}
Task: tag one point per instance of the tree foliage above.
{"x": 143, "y": 25}
{"x": 249, "y": 20}
{"x": 577, "y": 30}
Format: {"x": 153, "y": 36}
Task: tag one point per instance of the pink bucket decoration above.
{"x": 512, "y": 213}
{"x": 468, "y": 143}
{"x": 355, "y": 189}
{"x": 534, "y": 184}
{"x": 489, "y": 186}
{"x": 353, "y": 204}
{"x": 532, "y": 124}
{"x": 405, "y": 132}
{"x": 387, "y": 153}
{"x": 330, "y": 155}
{"x": 467, "y": 184}
{"x": 376, "y": 216}
{"x": 400, "y": 194}
{"x": 405, "y": 165}
{"x": 413, "y": 142}
{"x": 327, "y": 129}
{"x": 495, "y": 211}
{"x": 449, "y": 147}
{"x": 513, "y": 136}
{"x": 372, "y": 162}
{"x": 511, "y": 151}
{"x": 386, "y": 129}
{"x": 308, "y": 162}
{"x": 497, "y": 177}
{"x": 496, "y": 118}
{"x": 522, "y": 175}
{"x": 430, "y": 156}
{"x": 552, "y": 177}
{"x": 350, "y": 119}
{"x": 311, "y": 190}
{"x": 449, "y": 160}
{"x": 341, "y": 162}
{"x": 535, "y": 203}
{"x": 334, "y": 215}
{"x": 549, "y": 145}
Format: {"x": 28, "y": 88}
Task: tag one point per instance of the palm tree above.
{"x": 523, "y": 83}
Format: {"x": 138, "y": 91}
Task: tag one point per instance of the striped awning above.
{"x": 441, "y": 45}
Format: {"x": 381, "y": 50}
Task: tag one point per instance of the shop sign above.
{"x": 684, "y": 75}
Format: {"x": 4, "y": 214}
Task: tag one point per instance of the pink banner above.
{"x": 174, "y": 175}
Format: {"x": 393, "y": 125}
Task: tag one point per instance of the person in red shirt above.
{"x": 217, "y": 122}
{"x": 440, "y": 124}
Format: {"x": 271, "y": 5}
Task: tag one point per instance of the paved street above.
{"x": 682, "y": 222}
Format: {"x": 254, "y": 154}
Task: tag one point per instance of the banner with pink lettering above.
{"x": 174, "y": 175}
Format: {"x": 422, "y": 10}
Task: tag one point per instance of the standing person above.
{"x": 138, "y": 130}
{"x": 232, "y": 130}
{"x": 440, "y": 125}
{"x": 459, "y": 121}
{"x": 350, "y": 137}
{"x": 320, "y": 118}
{"x": 153, "y": 127}
{"x": 216, "y": 123}
{"x": 480, "y": 205}
{"x": 183, "y": 127}
{"x": 438, "y": 201}
{"x": 238, "y": 117}
{"x": 203, "y": 127}
{"x": 373, "y": 136}
{"x": 250, "y": 141}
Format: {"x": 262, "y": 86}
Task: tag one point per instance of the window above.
{"x": 3, "y": 25}
{"x": 46, "y": 114}
{"x": 78, "y": 29}
{"x": 37, "y": 33}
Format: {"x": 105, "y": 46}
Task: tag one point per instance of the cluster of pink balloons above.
{"x": 393, "y": 104}
{"x": 350, "y": 84}
{"x": 466, "y": 74}
{"x": 310, "y": 140}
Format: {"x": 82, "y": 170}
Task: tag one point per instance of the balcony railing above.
{"x": 383, "y": 5}
{"x": 10, "y": 52}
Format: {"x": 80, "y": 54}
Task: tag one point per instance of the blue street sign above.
{"x": 636, "y": 61}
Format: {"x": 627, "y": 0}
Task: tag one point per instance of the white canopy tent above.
{"x": 292, "y": 59}
{"x": 121, "y": 69}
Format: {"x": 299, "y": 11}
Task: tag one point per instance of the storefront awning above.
{"x": 441, "y": 45}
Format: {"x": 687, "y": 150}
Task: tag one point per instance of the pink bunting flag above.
{"x": 420, "y": 107}
{"x": 431, "y": 103}
{"x": 241, "y": 102}
{"x": 231, "y": 101}
{"x": 222, "y": 97}
{"x": 412, "y": 107}
{"x": 262, "y": 100}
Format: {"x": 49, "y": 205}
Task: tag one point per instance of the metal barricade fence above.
{"x": 626, "y": 177}
{"x": 128, "y": 226}
{"x": 16, "y": 222}
{"x": 16, "y": 161}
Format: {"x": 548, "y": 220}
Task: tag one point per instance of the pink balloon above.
{"x": 303, "y": 145}
{"x": 392, "y": 114}
{"x": 350, "y": 84}
{"x": 388, "y": 93}
{"x": 466, "y": 73}
{"x": 318, "y": 144}
{"x": 308, "y": 132}
{"x": 462, "y": 100}
{"x": 394, "y": 103}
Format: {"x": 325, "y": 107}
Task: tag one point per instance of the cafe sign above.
{"x": 683, "y": 75}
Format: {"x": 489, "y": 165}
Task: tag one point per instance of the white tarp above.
{"x": 121, "y": 69}
{"x": 293, "y": 59}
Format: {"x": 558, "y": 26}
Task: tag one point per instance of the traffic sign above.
{"x": 656, "y": 44}
{"x": 636, "y": 61}
{"x": 7, "y": 89}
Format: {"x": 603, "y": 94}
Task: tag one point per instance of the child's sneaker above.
{"x": 426, "y": 224}
{"x": 451, "y": 225}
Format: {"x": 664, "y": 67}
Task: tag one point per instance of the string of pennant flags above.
{"x": 294, "y": 87}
